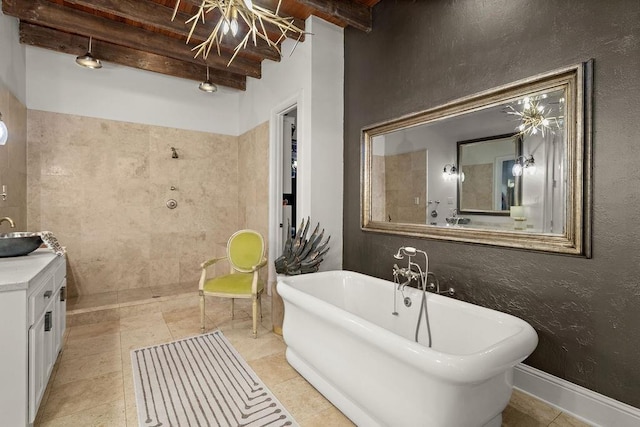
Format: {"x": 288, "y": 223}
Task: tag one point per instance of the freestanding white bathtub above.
{"x": 342, "y": 337}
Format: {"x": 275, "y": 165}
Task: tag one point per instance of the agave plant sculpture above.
{"x": 300, "y": 255}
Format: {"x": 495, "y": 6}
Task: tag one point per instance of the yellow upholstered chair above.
{"x": 245, "y": 253}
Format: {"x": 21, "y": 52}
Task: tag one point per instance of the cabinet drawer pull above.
{"x": 47, "y": 321}
{"x": 48, "y": 294}
{"x": 63, "y": 293}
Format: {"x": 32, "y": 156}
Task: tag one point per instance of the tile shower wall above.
{"x": 102, "y": 186}
{"x": 13, "y": 163}
{"x": 253, "y": 181}
{"x": 401, "y": 198}
{"x": 253, "y": 178}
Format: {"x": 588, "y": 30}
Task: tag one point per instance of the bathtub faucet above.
{"x": 409, "y": 272}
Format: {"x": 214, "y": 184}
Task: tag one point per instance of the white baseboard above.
{"x": 580, "y": 402}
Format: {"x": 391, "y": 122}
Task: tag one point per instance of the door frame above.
{"x": 275, "y": 177}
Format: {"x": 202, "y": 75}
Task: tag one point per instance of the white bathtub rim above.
{"x": 462, "y": 369}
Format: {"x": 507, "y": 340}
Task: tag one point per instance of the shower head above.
{"x": 405, "y": 250}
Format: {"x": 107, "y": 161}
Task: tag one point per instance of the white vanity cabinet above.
{"x": 32, "y": 324}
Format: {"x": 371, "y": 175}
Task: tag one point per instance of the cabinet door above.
{"x": 37, "y": 381}
{"x": 42, "y": 357}
{"x": 61, "y": 317}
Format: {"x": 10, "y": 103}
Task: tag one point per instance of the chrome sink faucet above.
{"x": 9, "y": 220}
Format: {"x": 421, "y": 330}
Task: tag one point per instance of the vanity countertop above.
{"x": 17, "y": 272}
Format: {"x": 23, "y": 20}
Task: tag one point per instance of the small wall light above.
{"x": 449, "y": 172}
{"x": 522, "y": 163}
{"x": 4, "y": 132}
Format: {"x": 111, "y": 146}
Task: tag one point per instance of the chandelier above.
{"x": 232, "y": 13}
{"x": 534, "y": 117}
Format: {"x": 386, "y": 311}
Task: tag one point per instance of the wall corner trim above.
{"x": 580, "y": 402}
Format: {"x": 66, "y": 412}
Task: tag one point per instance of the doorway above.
{"x": 285, "y": 180}
{"x": 289, "y": 174}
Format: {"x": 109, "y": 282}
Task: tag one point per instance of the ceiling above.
{"x": 141, "y": 34}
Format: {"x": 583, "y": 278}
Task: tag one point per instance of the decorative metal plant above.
{"x": 300, "y": 255}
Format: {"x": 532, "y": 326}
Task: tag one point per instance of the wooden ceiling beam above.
{"x": 48, "y": 38}
{"x": 149, "y": 13}
{"x": 351, "y": 13}
{"x": 42, "y": 12}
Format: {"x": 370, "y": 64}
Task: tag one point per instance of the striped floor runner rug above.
{"x": 202, "y": 381}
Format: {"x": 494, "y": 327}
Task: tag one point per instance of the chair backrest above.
{"x": 245, "y": 249}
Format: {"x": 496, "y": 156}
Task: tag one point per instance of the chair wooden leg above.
{"x": 202, "y": 313}
{"x": 232, "y": 307}
{"x": 260, "y": 306}
{"x": 254, "y": 307}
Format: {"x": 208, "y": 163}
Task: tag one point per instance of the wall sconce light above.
{"x": 87, "y": 60}
{"x": 4, "y": 132}
{"x": 522, "y": 163}
{"x": 449, "y": 172}
{"x": 207, "y": 85}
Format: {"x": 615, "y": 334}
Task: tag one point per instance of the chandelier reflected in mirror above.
{"x": 535, "y": 116}
{"x": 234, "y": 17}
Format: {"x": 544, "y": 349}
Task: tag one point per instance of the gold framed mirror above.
{"x": 510, "y": 166}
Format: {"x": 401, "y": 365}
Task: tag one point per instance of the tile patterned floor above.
{"x": 92, "y": 382}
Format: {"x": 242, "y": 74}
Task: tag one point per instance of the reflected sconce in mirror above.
{"x": 450, "y": 172}
{"x": 4, "y": 132}
{"x": 524, "y": 163}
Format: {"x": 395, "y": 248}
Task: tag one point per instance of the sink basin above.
{"x": 457, "y": 220}
{"x": 18, "y": 244}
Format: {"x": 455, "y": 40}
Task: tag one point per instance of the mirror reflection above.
{"x": 500, "y": 167}
{"x": 503, "y": 167}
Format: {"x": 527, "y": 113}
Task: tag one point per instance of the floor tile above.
{"x": 107, "y": 415}
{"x": 300, "y": 398}
{"x": 144, "y": 337}
{"x": 181, "y": 301}
{"x": 512, "y": 417}
{"x": 86, "y": 367}
{"x": 329, "y": 417}
{"x": 93, "y": 330}
{"x": 133, "y": 310}
{"x": 73, "y": 397}
{"x": 92, "y": 317}
{"x": 181, "y": 314}
{"x": 166, "y": 290}
{"x": 92, "y": 301}
{"x": 184, "y": 328}
{"x": 137, "y": 294}
{"x": 273, "y": 369}
{"x": 566, "y": 420}
{"x": 143, "y": 321}
{"x": 87, "y": 346}
{"x": 532, "y": 407}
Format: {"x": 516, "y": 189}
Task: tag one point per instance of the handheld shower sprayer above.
{"x": 405, "y": 250}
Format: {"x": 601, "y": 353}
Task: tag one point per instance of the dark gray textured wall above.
{"x": 423, "y": 53}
